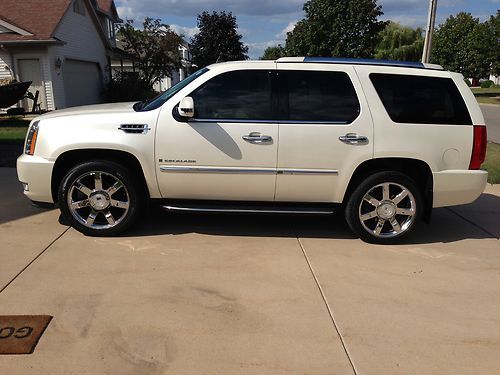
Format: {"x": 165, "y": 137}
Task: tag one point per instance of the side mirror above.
{"x": 186, "y": 107}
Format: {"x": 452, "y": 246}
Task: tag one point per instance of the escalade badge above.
{"x": 177, "y": 161}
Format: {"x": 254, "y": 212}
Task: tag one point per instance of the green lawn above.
{"x": 492, "y": 163}
{"x": 13, "y": 129}
{"x": 489, "y": 96}
{"x": 12, "y": 133}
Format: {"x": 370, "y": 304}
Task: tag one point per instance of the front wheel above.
{"x": 384, "y": 208}
{"x": 99, "y": 198}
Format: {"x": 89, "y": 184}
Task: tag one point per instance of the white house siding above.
{"x": 41, "y": 54}
{"x": 5, "y": 61}
{"x": 32, "y": 53}
{"x": 82, "y": 42}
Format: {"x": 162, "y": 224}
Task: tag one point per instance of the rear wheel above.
{"x": 384, "y": 208}
{"x": 99, "y": 198}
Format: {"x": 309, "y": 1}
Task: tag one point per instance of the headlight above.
{"x": 29, "y": 149}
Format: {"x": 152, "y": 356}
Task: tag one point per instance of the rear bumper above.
{"x": 35, "y": 173}
{"x": 458, "y": 187}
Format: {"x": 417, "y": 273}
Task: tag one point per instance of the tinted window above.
{"x": 321, "y": 96}
{"x": 239, "y": 95}
{"x": 421, "y": 100}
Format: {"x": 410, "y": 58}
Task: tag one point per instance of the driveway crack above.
{"x": 33, "y": 260}
{"x": 472, "y": 223}
{"x": 329, "y": 309}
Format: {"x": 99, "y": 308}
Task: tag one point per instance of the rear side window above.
{"x": 325, "y": 97}
{"x": 237, "y": 95}
{"x": 421, "y": 100}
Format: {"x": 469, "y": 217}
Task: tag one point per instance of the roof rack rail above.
{"x": 345, "y": 60}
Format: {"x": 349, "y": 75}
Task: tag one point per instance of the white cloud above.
{"x": 190, "y": 8}
{"x": 125, "y": 12}
{"x": 287, "y": 29}
{"x": 256, "y": 50}
{"x": 187, "y": 32}
{"x": 407, "y": 20}
{"x": 389, "y": 6}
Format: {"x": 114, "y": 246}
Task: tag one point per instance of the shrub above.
{"x": 486, "y": 84}
{"x": 128, "y": 87}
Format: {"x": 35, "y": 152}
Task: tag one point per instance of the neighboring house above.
{"x": 122, "y": 63}
{"x": 63, "y": 46}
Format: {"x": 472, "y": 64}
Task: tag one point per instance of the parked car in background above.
{"x": 385, "y": 141}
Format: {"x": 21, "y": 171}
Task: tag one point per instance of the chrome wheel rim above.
{"x": 98, "y": 200}
{"x": 387, "y": 210}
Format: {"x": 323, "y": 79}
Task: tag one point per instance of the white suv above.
{"x": 385, "y": 141}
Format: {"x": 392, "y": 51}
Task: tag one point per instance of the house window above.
{"x": 79, "y": 7}
{"x": 111, "y": 29}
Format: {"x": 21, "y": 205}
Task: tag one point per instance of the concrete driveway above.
{"x": 206, "y": 294}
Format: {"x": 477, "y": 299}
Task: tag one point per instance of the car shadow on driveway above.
{"x": 445, "y": 226}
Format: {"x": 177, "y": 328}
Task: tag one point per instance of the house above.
{"x": 63, "y": 46}
{"x": 123, "y": 63}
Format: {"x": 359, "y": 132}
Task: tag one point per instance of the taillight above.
{"x": 29, "y": 149}
{"x": 478, "y": 147}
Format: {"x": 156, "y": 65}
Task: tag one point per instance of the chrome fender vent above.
{"x": 134, "y": 128}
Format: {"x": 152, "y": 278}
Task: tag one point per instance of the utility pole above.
{"x": 431, "y": 20}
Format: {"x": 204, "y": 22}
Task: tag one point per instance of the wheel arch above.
{"x": 69, "y": 159}
{"x": 416, "y": 169}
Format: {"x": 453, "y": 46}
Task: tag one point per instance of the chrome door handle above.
{"x": 354, "y": 139}
{"x": 256, "y": 137}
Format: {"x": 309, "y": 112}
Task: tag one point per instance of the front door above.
{"x": 30, "y": 70}
{"x": 325, "y": 131}
{"x": 228, "y": 150}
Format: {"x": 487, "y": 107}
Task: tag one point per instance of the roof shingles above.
{"x": 38, "y": 18}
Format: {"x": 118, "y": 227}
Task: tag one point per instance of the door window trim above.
{"x": 284, "y": 94}
{"x": 279, "y": 96}
{"x": 273, "y": 104}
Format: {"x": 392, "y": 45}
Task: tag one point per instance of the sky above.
{"x": 264, "y": 23}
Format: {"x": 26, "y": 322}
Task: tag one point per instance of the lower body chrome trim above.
{"x": 232, "y": 170}
{"x": 287, "y": 171}
{"x": 247, "y": 210}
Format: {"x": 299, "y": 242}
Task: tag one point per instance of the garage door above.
{"x": 82, "y": 83}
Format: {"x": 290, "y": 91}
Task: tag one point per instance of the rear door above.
{"x": 326, "y": 133}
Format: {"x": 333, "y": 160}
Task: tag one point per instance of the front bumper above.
{"x": 35, "y": 173}
{"x": 458, "y": 187}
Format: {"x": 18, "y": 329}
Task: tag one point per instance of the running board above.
{"x": 258, "y": 209}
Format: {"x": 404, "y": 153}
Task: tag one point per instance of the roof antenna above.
{"x": 218, "y": 58}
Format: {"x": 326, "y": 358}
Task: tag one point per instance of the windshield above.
{"x": 164, "y": 96}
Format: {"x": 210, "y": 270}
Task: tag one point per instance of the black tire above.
{"x": 359, "y": 211}
{"x": 100, "y": 207}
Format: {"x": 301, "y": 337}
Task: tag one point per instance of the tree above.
{"x": 273, "y": 53}
{"x": 217, "y": 40}
{"x": 399, "y": 42}
{"x": 344, "y": 28}
{"x": 494, "y": 24}
{"x": 463, "y": 44}
{"x": 155, "y": 48}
